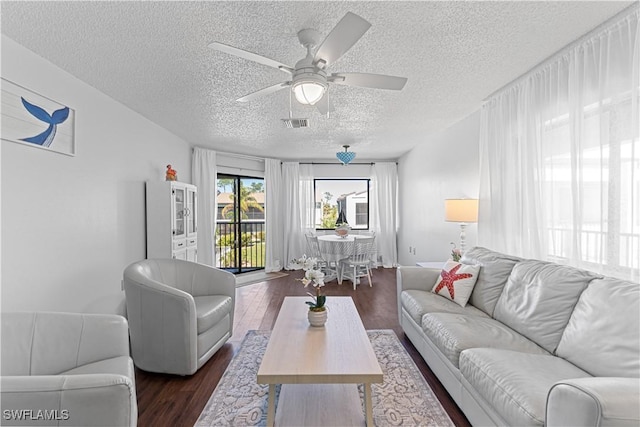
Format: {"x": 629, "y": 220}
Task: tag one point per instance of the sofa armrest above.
{"x": 213, "y": 281}
{"x": 596, "y": 401}
{"x": 79, "y": 400}
{"x": 420, "y": 278}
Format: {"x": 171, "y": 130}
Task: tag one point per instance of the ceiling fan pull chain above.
{"x": 290, "y": 107}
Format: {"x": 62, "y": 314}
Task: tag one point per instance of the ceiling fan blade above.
{"x": 343, "y": 36}
{"x": 251, "y": 56}
{"x": 374, "y": 81}
{"x": 264, "y": 91}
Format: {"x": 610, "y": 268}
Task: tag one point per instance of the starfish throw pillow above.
{"x": 456, "y": 282}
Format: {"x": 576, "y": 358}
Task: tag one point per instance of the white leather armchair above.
{"x": 67, "y": 369}
{"x": 180, "y": 313}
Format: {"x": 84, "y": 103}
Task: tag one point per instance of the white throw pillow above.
{"x": 456, "y": 281}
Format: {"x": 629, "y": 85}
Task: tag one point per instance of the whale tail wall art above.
{"x": 59, "y": 116}
{"x": 34, "y": 120}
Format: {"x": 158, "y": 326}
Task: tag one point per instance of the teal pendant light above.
{"x": 346, "y": 156}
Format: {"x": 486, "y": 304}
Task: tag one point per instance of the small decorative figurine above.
{"x": 172, "y": 175}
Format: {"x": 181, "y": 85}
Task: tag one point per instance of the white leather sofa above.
{"x": 67, "y": 369}
{"x": 537, "y": 344}
{"x": 180, "y": 313}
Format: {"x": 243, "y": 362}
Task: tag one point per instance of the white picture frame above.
{"x": 37, "y": 121}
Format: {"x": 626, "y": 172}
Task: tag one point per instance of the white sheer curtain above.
{"x": 274, "y": 216}
{"x": 307, "y": 200}
{"x": 203, "y": 176}
{"x": 560, "y": 157}
{"x": 297, "y": 208}
{"x": 384, "y": 199}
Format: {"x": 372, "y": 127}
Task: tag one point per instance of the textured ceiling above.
{"x": 153, "y": 57}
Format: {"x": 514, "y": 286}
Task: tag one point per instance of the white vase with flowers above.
{"x": 317, "y": 314}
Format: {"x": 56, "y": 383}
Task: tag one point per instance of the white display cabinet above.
{"x": 172, "y": 221}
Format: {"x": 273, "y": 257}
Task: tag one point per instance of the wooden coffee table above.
{"x": 319, "y": 367}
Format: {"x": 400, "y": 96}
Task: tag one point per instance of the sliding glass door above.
{"x": 240, "y": 230}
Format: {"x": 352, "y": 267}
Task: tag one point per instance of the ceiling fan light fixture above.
{"x": 308, "y": 92}
{"x": 309, "y": 83}
{"x": 346, "y": 156}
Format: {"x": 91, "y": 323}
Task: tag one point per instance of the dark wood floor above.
{"x": 167, "y": 400}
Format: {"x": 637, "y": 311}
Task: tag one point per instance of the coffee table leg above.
{"x": 368, "y": 404}
{"x": 271, "y": 409}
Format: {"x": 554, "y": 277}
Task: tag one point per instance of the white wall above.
{"x": 357, "y": 170}
{"x": 444, "y": 166}
{"x": 71, "y": 224}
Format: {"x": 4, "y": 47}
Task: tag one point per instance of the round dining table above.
{"x": 333, "y": 249}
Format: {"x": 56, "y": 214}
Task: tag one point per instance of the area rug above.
{"x": 251, "y": 278}
{"x": 404, "y": 398}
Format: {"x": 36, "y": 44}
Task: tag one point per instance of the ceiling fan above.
{"x": 309, "y": 80}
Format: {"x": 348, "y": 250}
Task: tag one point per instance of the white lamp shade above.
{"x": 308, "y": 92}
{"x": 461, "y": 210}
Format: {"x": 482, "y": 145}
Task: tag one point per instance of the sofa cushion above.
{"x": 515, "y": 384}
{"x": 418, "y": 303}
{"x": 210, "y": 310}
{"x": 47, "y": 343}
{"x": 538, "y": 299}
{"x": 456, "y": 282}
{"x": 603, "y": 333}
{"x": 122, "y": 365}
{"x": 453, "y": 333}
{"x": 494, "y": 272}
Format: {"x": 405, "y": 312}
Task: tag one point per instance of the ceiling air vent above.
{"x": 296, "y": 123}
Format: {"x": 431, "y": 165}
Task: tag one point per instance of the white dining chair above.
{"x": 314, "y": 251}
{"x": 333, "y": 252}
{"x": 358, "y": 264}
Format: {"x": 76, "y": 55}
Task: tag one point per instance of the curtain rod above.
{"x": 238, "y": 156}
{"x": 335, "y": 163}
{"x": 245, "y": 156}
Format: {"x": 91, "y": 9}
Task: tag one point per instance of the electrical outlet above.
{"x": 409, "y": 249}
{"x": 414, "y": 251}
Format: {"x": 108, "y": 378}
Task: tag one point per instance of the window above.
{"x": 362, "y": 213}
{"x": 339, "y": 200}
{"x": 240, "y": 223}
{"x": 597, "y": 227}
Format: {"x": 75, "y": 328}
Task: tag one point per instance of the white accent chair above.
{"x": 359, "y": 262}
{"x": 180, "y": 313}
{"x": 67, "y": 369}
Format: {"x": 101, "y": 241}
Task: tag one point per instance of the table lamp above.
{"x": 463, "y": 211}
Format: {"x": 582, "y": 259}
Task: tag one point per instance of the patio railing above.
{"x": 594, "y": 246}
{"x": 242, "y": 252}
